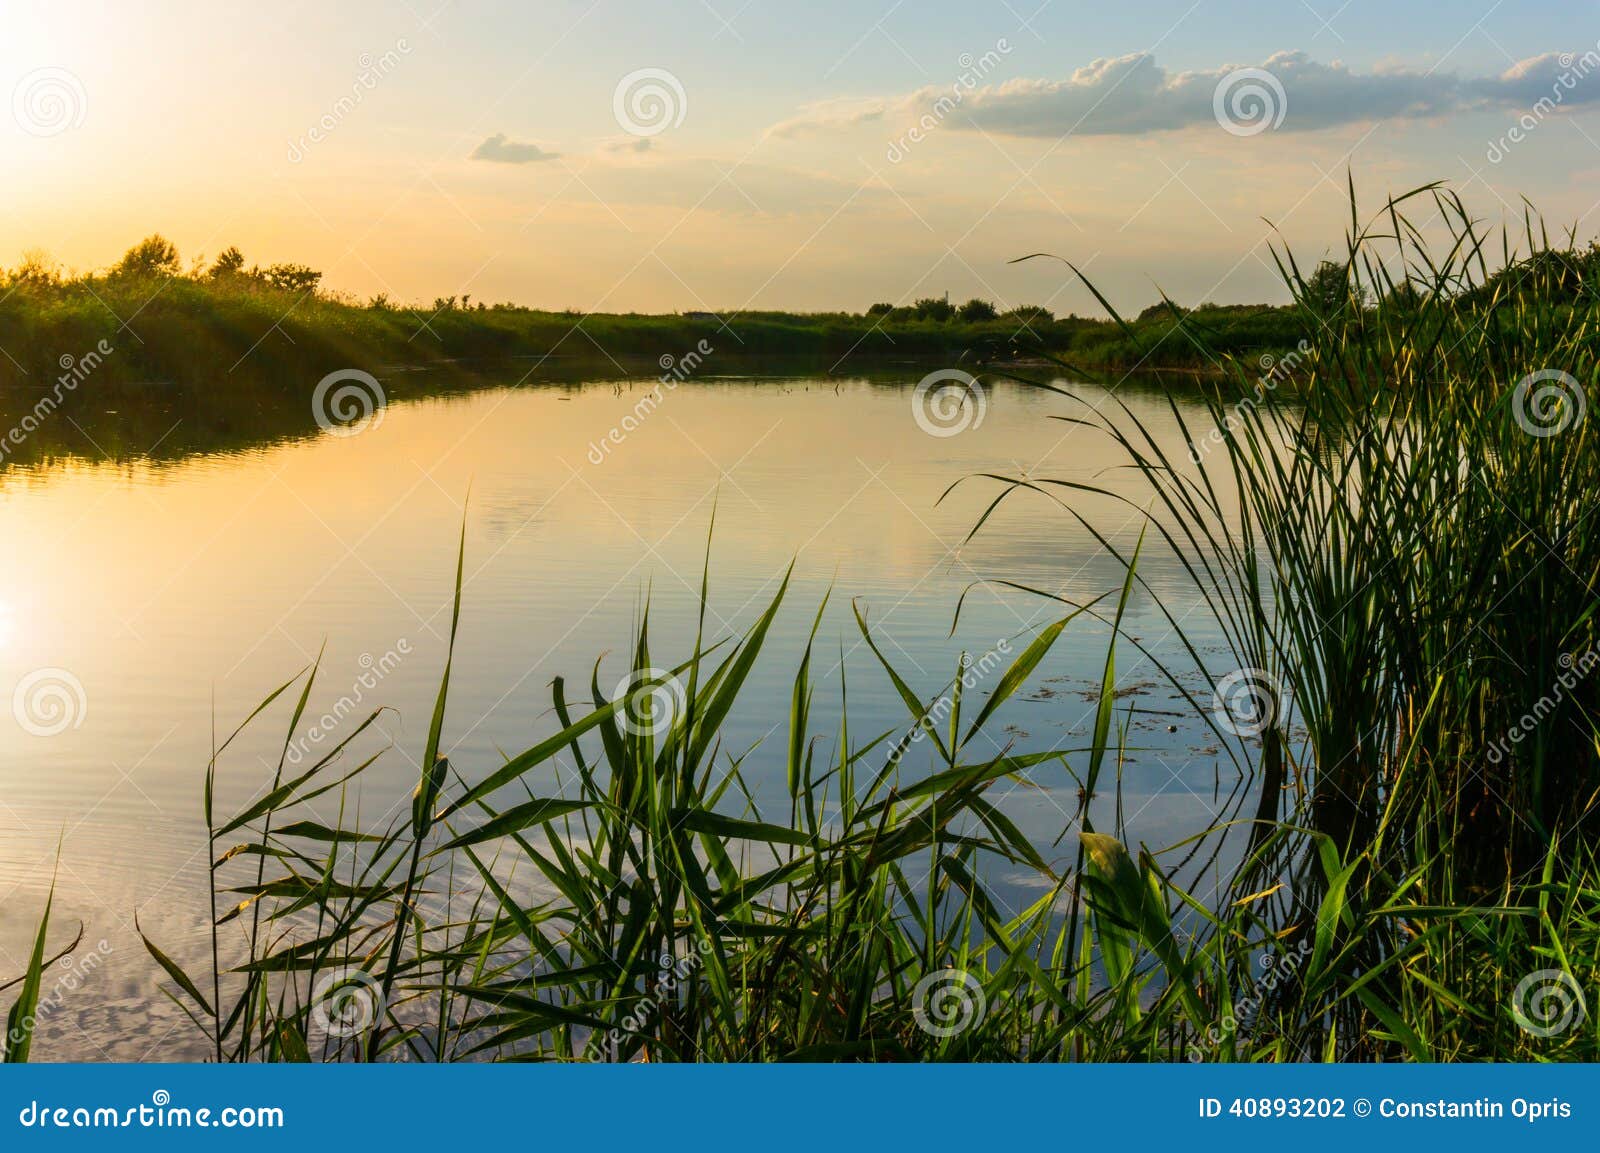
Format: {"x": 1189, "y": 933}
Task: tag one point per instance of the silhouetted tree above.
{"x": 1329, "y": 291}
{"x": 155, "y": 255}
{"x": 229, "y": 264}
{"x": 37, "y": 270}
{"x": 293, "y": 277}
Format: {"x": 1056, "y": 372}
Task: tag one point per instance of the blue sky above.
{"x": 426, "y": 149}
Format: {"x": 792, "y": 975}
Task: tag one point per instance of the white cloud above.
{"x": 626, "y": 144}
{"x": 827, "y": 114}
{"x": 499, "y": 149}
{"x": 1133, "y": 95}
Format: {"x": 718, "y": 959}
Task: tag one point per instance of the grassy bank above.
{"x": 205, "y": 325}
{"x": 1404, "y": 564}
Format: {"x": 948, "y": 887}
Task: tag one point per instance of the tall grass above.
{"x": 1396, "y": 537}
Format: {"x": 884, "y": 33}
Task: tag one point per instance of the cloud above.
{"x": 1562, "y": 77}
{"x": 1133, "y": 95}
{"x": 499, "y": 149}
{"x": 626, "y": 144}
{"x": 826, "y": 114}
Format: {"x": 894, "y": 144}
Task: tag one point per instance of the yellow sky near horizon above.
{"x": 347, "y": 141}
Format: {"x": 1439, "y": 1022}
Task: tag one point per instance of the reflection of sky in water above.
{"x": 213, "y": 580}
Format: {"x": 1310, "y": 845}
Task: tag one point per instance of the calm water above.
{"x": 178, "y": 593}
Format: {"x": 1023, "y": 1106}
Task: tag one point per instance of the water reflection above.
{"x": 181, "y": 557}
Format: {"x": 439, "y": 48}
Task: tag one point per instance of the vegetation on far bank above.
{"x": 232, "y": 320}
{"x": 229, "y": 322}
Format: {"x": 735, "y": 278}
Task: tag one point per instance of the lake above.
{"x": 156, "y": 592}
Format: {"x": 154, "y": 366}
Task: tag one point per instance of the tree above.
{"x": 155, "y": 255}
{"x": 229, "y": 264}
{"x": 1160, "y": 310}
{"x": 933, "y": 308}
{"x": 1031, "y": 314}
{"x": 37, "y": 270}
{"x": 1329, "y": 291}
{"x": 1405, "y": 297}
{"x": 295, "y": 278}
{"x": 882, "y": 308}
{"x": 975, "y": 310}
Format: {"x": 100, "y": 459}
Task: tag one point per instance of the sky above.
{"x": 734, "y": 155}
